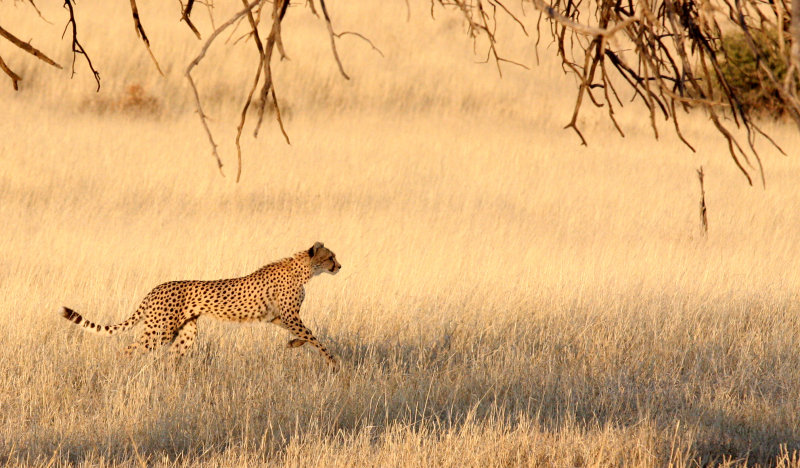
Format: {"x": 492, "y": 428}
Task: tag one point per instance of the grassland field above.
{"x": 507, "y": 297}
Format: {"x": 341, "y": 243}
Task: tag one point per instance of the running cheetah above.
{"x": 273, "y": 293}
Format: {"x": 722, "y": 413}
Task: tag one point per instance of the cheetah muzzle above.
{"x": 273, "y": 293}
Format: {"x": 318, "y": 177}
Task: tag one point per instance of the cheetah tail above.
{"x": 77, "y": 319}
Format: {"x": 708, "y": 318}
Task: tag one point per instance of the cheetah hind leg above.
{"x": 132, "y": 348}
{"x": 149, "y": 340}
{"x": 185, "y": 338}
{"x": 143, "y": 344}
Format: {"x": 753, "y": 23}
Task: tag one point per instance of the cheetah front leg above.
{"x": 292, "y": 322}
{"x": 293, "y": 343}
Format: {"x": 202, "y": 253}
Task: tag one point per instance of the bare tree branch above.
{"x": 242, "y": 119}
{"x": 283, "y": 4}
{"x": 670, "y": 54}
{"x": 27, "y": 48}
{"x": 14, "y": 77}
{"x": 267, "y": 94}
{"x": 676, "y": 49}
{"x": 196, "y": 61}
{"x": 185, "y": 17}
{"x": 137, "y": 24}
{"x": 274, "y": 38}
{"x": 310, "y": 4}
{"x": 203, "y": 119}
{"x": 38, "y": 12}
{"x": 351, "y": 33}
{"x": 264, "y": 61}
{"x": 332, "y": 36}
{"x": 278, "y": 115}
{"x": 77, "y": 48}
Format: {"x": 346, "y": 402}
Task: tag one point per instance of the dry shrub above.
{"x": 744, "y": 74}
{"x": 134, "y": 100}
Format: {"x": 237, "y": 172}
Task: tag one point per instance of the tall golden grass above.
{"x": 507, "y": 297}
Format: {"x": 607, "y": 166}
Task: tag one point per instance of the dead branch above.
{"x": 242, "y": 119}
{"x": 265, "y": 63}
{"x": 332, "y": 36}
{"x": 27, "y": 48}
{"x": 196, "y": 61}
{"x": 310, "y": 4}
{"x": 266, "y": 57}
{"x": 278, "y": 115}
{"x": 185, "y": 17}
{"x": 137, "y": 24}
{"x": 351, "y": 33}
{"x": 703, "y": 210}
{"x": 203, "y": 119}
{"x": 210, "y": 10}
{"x": 38, "y": 12}
{"x": 14, "y": 77}
{"x": 667, "y": 52}
{"x": 265, "y": 48}
{"x": 77, "y": 48}
{"x": 284, "y": 4}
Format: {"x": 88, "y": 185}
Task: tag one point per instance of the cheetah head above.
{"x": 322, "y": 259}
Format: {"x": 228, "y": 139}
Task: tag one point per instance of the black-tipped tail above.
{"x": 71, "y": 315}
{"x": 77, "y": 319}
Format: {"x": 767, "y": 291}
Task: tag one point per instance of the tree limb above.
{"x": 14, "y": 77}
{"x": 332, "y": 36}
{"x": 27, "y": 48}
{"x": 185, "y": 17}
{"x": 196, "y": 61}
{"x": 137, "y": 24}
{"x": 77, "y": 48}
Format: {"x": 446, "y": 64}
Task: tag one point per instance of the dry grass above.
{"x": 507, "y": 297}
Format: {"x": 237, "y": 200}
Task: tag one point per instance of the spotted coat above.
{"x": 273, "y": 293}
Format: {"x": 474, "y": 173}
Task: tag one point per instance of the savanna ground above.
{"x": 507, "y": 296}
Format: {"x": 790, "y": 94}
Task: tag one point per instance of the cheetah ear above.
{"x": 313, "y": 250}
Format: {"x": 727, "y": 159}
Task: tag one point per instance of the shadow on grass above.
{"x": 262, "y": 401}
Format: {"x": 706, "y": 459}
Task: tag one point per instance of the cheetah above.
{"x": 273, "y": 294}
